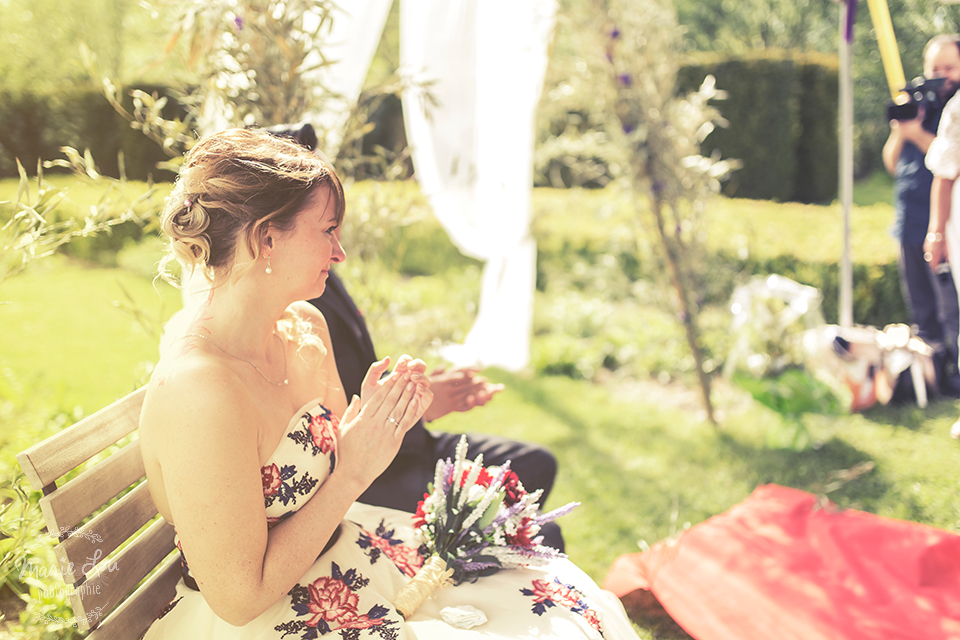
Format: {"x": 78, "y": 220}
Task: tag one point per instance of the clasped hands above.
{"x": 459, "y": 389}
{"x": 374, "y": 424}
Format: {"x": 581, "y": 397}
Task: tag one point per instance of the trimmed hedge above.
{"x": 36, "y": 125}
{"x": 788, "y": 104}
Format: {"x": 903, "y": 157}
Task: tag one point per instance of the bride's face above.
{"x": 302, "y": 257}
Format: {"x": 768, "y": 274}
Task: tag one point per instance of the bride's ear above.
{"x": 262, "y": 238}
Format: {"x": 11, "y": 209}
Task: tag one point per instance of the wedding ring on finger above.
{"x": 393, "y": 420}
{"x": 927, "y": 256}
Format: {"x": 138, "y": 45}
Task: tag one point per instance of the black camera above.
{"x": 920, "y": 92}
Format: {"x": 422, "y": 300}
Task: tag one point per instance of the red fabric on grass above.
{"x": 777, "y": 567}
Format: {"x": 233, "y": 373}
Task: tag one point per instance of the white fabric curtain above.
{"x": 474, "y": 72}
{"x": 351, "y": 44}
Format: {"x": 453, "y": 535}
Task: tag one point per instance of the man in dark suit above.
{"x": 405, "y": 481}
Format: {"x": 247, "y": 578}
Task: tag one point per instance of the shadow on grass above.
{"x": 826, "y": 470}
{"x": 908, "y": 415}
{"x": 644, "y": 609}
{"x": 691, "y": 461}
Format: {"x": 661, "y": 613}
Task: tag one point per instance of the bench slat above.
{"x": 47, "y": 461}
{"x": 99, "y": 537}
{"x": 76, "y": 500}
{"x": 101, "y": 592}
{"x": 132, "y": 618}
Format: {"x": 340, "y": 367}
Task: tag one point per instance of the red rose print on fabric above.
{"x": 547, "y": 594}
{"x": 323, "y": 429}
{"x": 331, "y": 603}
{"x": 270, "y": 476}
{"x": 284, "y": 484}
{"x": 406, "y": 559}
{"x": 316, "y": 432}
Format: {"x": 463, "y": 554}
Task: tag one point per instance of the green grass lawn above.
{"x": 66, "y": 338}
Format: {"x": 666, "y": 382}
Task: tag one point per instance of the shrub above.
{"x": 37, "y": 124}
{"x": 789, "y": 102}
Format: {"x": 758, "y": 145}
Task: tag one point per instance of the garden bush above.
{"x": 787, "y": 100}
{"x": 37, "y": 124}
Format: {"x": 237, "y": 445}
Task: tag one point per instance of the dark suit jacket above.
{"x": 353, "y": 349}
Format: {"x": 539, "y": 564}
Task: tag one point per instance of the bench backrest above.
{"x": 105, "y": 554}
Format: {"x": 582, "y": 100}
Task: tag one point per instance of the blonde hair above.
{"x": 233, "y": 186}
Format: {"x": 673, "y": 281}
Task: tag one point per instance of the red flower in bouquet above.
{"x": 513, "y": 490}
{"x": 420, "y": 517}
{"x": 524, "y": 535}
{"x": 484, "y": 479}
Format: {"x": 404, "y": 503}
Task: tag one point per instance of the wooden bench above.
{"x": 105, "y": 554}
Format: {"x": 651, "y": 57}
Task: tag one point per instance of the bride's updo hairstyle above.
{"x": 232, "y": 184}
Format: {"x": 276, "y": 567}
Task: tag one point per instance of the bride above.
{"x": 254, "y": 453}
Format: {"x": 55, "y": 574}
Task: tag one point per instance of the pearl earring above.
{"x": 268, "y": 270}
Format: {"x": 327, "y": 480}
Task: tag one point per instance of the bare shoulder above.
{"x": 194, "y": 401}
{"x": 309, "y": 313}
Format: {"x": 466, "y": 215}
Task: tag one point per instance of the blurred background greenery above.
{"x": 609, "y": 389}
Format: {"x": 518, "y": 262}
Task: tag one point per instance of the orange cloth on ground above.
{"x": 778, "y": 566}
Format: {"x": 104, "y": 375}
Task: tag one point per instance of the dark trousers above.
{"x": 931, "y": 300}
{"x": 405, "y": 481}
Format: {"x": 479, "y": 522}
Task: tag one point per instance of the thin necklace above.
{"x": 279, "y": 384}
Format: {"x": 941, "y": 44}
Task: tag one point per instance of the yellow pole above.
{"x": 880, "y": 15}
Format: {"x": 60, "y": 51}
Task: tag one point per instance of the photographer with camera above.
{"x": 931, "y": 295}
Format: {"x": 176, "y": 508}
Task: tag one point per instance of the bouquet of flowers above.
{"x": 474, "y": 521}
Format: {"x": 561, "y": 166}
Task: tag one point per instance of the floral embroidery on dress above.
{"x": 318, "y": 434}
{"x": 406, "y": 559}
{"x": 276, "y": 485}
{"x": 550, "y": 594}
{"x": 270, "y": 476}
{"x": 330, "y": 603}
